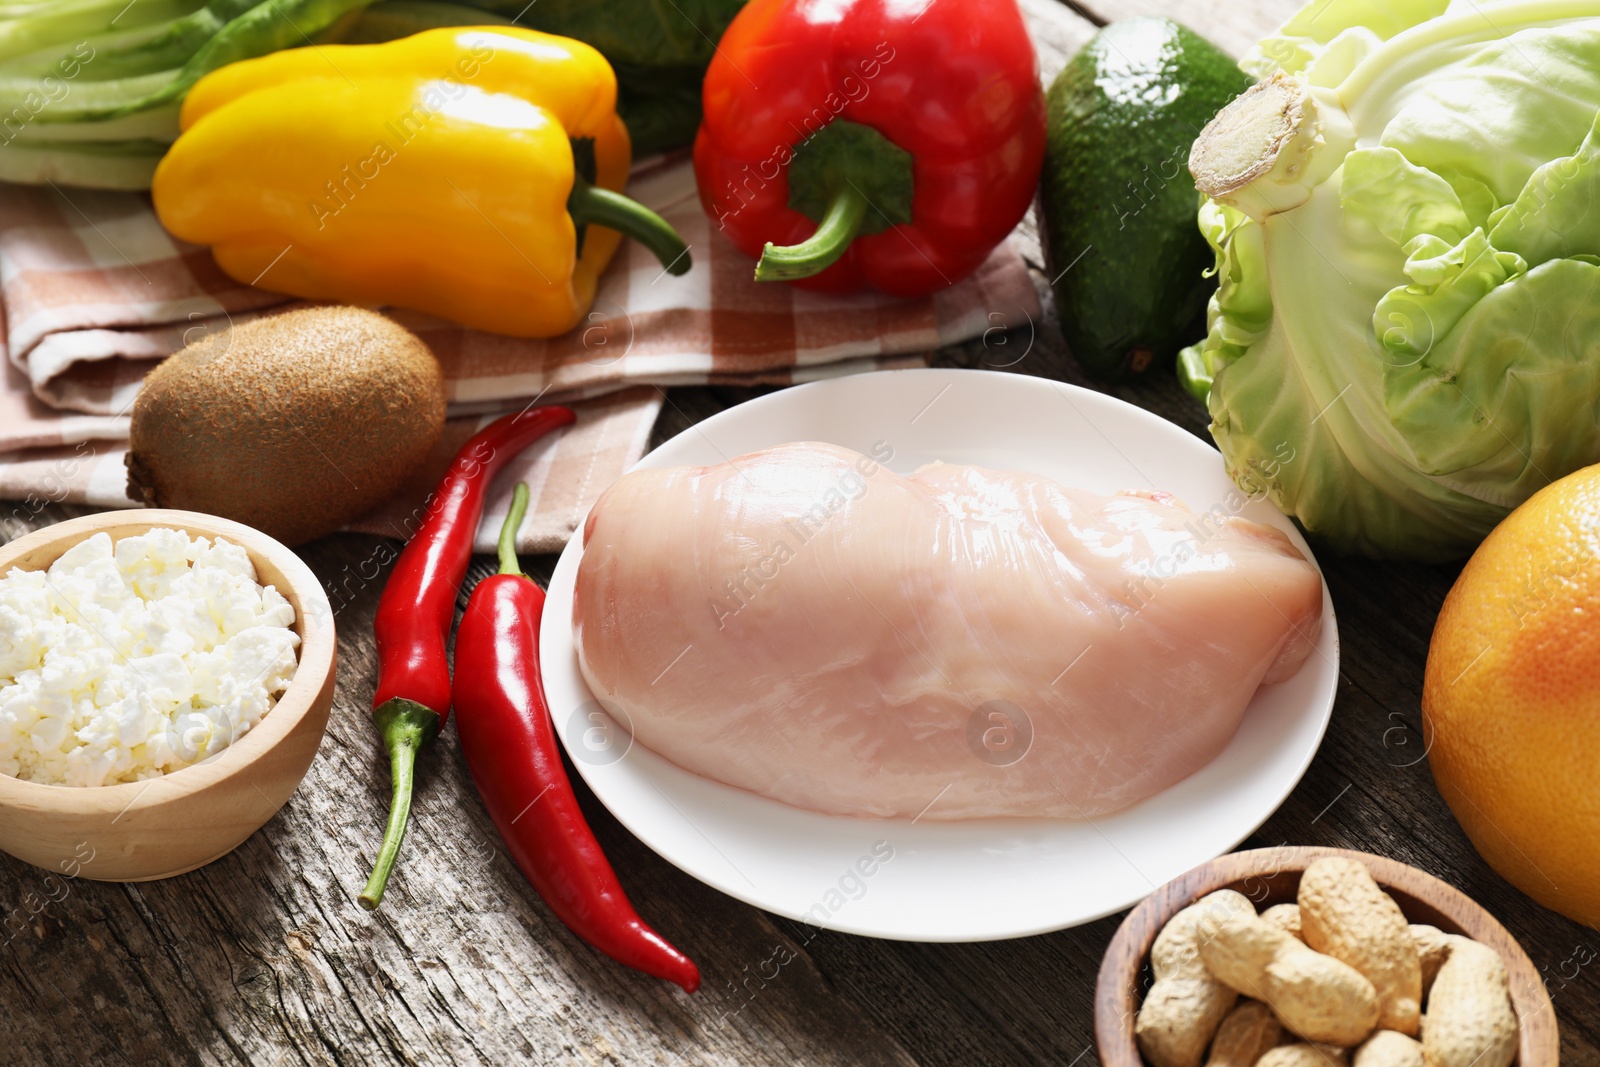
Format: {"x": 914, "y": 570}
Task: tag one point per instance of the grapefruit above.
{"x": 1511, "y": 697}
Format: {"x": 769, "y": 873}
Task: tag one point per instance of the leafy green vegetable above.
{"x": 157, "y": 124}
{"x": 89, "y": 87}
{"x": 259, "y": 30}
{"x": 640, "y": 33}
{"x": 98, "y": 49}
{"x": 53, "y": 100}
{"x": 659, "y": 102}
{"x": 660, "y": 107}
{"x": 71, "y": 20}
{"x": 394, "y": 19}
{"x": 659, "y": 48}
{"x": 103, "y": 165}
{"x": 1409, "y": 275}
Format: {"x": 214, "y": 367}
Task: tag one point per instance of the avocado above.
{"x": 1122, "y": 247}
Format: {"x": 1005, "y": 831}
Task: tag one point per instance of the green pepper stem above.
{"x": 846, "y": 210}
{"x": 591, "y": 204}
{"x": 508, "y": 532}
{"x": 405, "y": 727}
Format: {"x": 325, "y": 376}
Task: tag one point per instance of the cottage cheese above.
{"x": 125, "y": 661}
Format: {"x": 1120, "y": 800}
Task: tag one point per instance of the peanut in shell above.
{"x": 1344, "y": 914}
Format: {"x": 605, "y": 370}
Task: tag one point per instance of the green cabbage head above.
{"x": 1409, "y": 300}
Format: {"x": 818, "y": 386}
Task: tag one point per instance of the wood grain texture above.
{"x": 1057, "y": 34}
{"x": 1269, "y": 876}
{"x": 264, "y": 958}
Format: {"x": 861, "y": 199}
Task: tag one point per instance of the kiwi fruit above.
{"x": 294, "y": 423}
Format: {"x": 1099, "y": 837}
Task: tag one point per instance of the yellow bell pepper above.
{"x": 443, "y": 172}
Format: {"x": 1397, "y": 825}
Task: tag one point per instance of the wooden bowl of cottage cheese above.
{"x": 163, "y": 689}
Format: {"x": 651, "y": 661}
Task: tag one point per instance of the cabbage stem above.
{"x": 1267, "y": 150}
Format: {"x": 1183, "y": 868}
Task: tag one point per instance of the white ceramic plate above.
{"x": 961, "y": 881}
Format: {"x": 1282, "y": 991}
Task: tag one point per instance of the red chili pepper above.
{"x": 896, "y": 142}
{"x": 419, "y": 604}
{"x": 515, "y": 761}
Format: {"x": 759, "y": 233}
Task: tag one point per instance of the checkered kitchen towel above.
{"x": 93, "y": 292}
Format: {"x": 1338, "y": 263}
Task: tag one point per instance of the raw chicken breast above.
{"x": 808, "y": 625}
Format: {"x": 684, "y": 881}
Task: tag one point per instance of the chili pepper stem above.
{"x": 592, "y": 204}
{"x": 847, "y": 209}
{"x": 405, "y": 726}
{"x": 508, "y": 531}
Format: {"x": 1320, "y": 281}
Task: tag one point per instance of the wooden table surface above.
{"x": 264, "y": 958}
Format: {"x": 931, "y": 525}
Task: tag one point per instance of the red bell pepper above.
{"x": 871, "y": 142}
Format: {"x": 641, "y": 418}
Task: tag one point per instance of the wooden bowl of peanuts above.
{"x": 1318, "y": 957}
